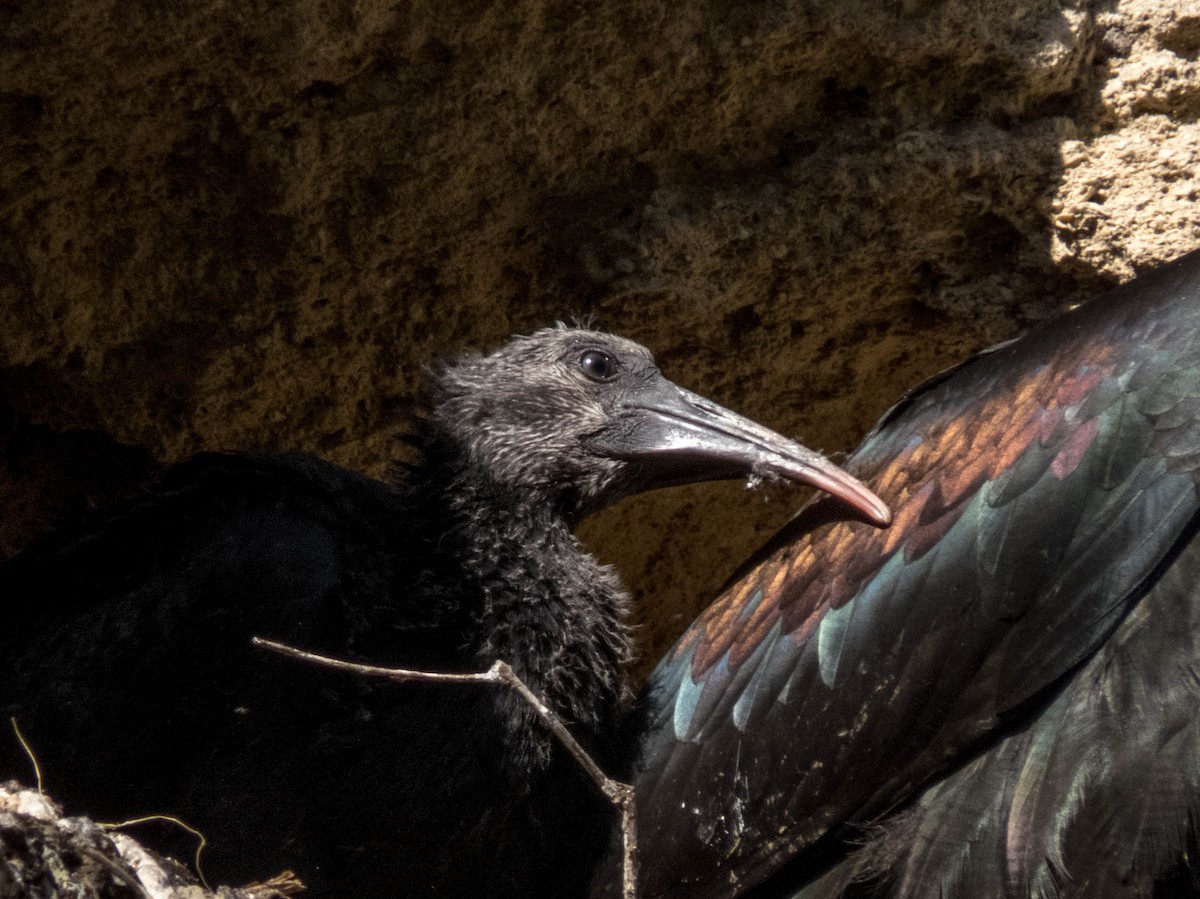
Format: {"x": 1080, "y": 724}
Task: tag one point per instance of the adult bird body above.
{"x": 128, "y": 666}
{"x": 997, "y": 697}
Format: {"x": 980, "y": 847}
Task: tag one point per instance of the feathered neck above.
{"x": 527, "y": 593}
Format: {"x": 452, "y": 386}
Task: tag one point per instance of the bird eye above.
{"x": 598, "y": 366}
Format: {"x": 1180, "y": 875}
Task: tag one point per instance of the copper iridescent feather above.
{"x": 1039, "y": 491}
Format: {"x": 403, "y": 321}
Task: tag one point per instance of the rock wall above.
{"x": 233, "y": 225}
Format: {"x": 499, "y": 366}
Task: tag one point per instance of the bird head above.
{"x": 581, "y": 418}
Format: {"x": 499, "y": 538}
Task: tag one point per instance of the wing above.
{"x": 119, "y": 614}
{"x": 1038, "y": 490}
{"x": 1092, "y": 797}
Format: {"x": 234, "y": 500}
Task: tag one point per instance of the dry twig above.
{"x": 121, "y": 874}
{"x": 37, "y": 769}
{"x": 619, "y": 794}
{"x": 202, "y": 841}
{"x": 284, "y": 884}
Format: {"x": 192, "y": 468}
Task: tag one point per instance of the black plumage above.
{"x": 997, "y": 697}
{"x": 128, "y": 665}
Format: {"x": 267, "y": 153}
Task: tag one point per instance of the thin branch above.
{"x": 619, "y": 794}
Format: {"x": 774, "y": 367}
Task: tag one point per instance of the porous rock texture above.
{"x": 233, "y": 225}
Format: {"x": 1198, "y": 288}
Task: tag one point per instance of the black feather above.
{"x": 997, "y": 697}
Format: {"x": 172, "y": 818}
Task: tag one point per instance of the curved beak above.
{"x": 677, "y": 437}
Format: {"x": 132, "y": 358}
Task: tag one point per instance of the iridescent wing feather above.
{"x": 1038, "y": 490}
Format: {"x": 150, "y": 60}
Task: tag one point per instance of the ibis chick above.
{"x": 128, "y": 665}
